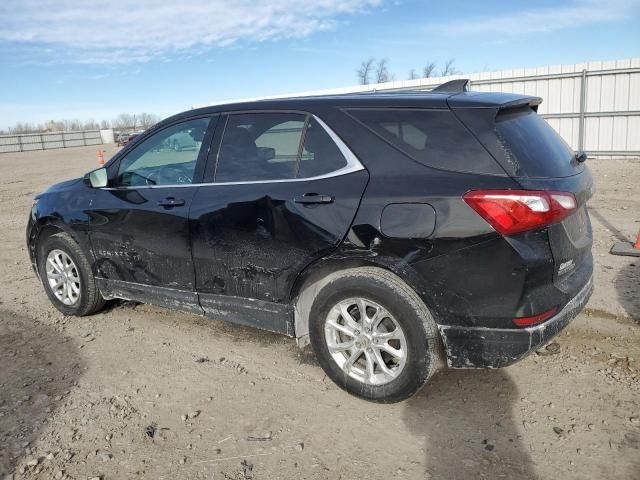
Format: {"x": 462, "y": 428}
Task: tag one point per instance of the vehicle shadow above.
{"x": 627, "y": 285}
{"x": 38, "y": 368}
{"x": 616, "y": 233}
{"x": 465, "y": 418}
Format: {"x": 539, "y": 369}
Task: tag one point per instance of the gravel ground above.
{"x": 138, "y": 391}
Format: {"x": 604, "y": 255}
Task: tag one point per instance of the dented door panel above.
{"x": 136, "y": 240}
{"x": 252, "y": 240}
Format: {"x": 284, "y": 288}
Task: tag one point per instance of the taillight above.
{"x": 535, "y": 319}
{"x": 514, "y": 211}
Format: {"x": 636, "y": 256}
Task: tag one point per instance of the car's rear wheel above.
{"x": 373, "y": 335}
{"x": 66, "y": 276}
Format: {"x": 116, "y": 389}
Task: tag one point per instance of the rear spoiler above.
{"x": 494, "y": 100}
{"x": 532, "y": 102}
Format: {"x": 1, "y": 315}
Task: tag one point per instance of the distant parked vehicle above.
{"x": 392, "y": 231}
{"x": 124, "y": 139}
{"x": 183, "y": 141}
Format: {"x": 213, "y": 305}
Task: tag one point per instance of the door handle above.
{"x": 310, "y": 198}
{"x": 170, "y": 202}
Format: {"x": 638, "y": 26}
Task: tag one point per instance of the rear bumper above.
{"x": 479, "y": 347}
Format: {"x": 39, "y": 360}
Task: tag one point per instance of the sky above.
{"x": 96, "y": 59}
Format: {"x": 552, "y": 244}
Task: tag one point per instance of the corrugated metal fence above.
{"x": 45, "y": 141}
{"x": 595, "y": 106}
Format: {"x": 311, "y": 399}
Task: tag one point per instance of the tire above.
{"x": 88, "y": 298}
{"x": 382, "y": 293}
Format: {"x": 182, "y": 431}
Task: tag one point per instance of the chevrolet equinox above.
{"x": 395, "y": 232}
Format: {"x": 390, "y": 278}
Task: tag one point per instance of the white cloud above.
{"x": 579, "y": 13}
{"x": 115, "y": 31}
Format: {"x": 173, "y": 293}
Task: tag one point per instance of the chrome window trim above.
{"x": 353, "y": 165}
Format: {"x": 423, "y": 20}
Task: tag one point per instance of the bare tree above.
{"x": 128, "y": 121}
{"x": 90, "y": 125}
{"x": 18, "y": 128}
{"x": 25, "y": 128}
{"x": 449, "y": 68}
{"x": 412, "y": 74}
{"x": 148, "y": 120}
{"x": 118, "y": 122}
{"x": 365, "y": 71}
{"x": 124, "y": 121}
{"x": 382, "y": 71}
{"x": 70, "y": 125}
{"x": 429, "y": 69}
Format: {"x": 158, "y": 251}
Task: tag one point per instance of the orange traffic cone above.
{"x": 100, "y": 158}
{"x": 627, "y": 248}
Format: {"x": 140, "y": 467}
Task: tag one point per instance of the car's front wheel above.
{"x": 66, "y": 276}
{"x": 373, "y": 335}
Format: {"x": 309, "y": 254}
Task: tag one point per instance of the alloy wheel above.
{"x": 365, "y": 341}
{"x": 63, "y": 277}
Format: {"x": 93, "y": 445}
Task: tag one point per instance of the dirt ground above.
{"x": 138, "y": 391}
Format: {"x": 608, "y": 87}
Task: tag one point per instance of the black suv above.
{"x": 392, "y": 231}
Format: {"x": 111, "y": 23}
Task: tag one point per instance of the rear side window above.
{"x": 529, "y": 142}
{"x": 435, "y": 138}
{"x": 260, "y": 146}
{"x": 275, "y": 146}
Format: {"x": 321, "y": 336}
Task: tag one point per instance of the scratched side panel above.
{"x": 252, "y": 241}
{"x": 172, "y": 298}
{"x": 136, "y": 240}
{"x": 274, "y": 317}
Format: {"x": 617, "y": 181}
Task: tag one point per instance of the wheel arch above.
{"x": 315, "y": 276}
{"x": 47, "y": 226}
{"x": 74, "y": 244}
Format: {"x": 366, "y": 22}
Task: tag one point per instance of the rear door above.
{"x": 139, "y": 227}
{"x": 283, "y": 192}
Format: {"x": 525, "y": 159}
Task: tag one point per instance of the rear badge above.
{"x": 566, "y": 267}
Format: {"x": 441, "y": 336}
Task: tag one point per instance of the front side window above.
{"x": 167, "y": 157}
{"x": 275, "y": 146}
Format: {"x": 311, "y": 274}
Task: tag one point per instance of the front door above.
{"x": 139, "y": 226}
{"x": 283, "y": 193}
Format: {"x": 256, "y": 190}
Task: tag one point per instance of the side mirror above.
{"x": 97, "y": 178}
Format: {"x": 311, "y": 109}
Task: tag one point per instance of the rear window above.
{"x": 435, "y": 138}
{"x": 528, "y": 142}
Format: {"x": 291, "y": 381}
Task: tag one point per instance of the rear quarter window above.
{"x": 435, "y": 138}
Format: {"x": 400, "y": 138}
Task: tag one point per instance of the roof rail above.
{"x": 453, "y": 86}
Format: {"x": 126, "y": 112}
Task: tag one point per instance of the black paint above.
{"x": 243, "y": 252}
